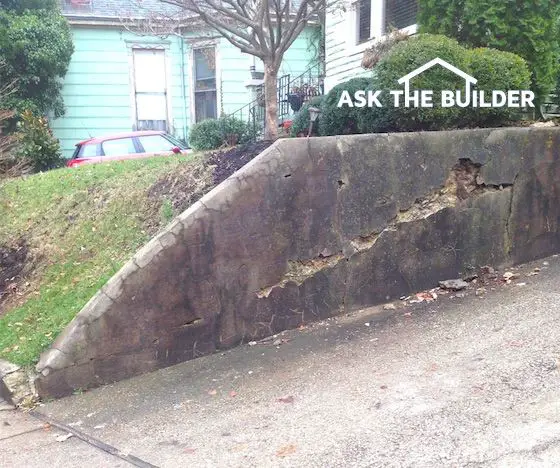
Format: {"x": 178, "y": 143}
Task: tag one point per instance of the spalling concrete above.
{"x": 310, "y": 229}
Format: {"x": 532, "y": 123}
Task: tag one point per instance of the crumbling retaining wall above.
{"x": 310, "y": 229}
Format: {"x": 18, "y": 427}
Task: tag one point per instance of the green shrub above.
{"x": 35, "y": 143}
{"x": 405, "y": 57}
{"x": 529, "y": 29}
{"x": 375, "y": 119}
{"x": 300, "y": 123}
{"x": 215, "y": 133}
{"x": 36, "y": 46}
{"x": 496, "y": 70}
{"x": 342, "y": 120}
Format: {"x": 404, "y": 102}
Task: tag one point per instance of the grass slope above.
{"x": 80, "y": 226}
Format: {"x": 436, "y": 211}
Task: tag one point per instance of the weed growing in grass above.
{"x": 166, "y": 211}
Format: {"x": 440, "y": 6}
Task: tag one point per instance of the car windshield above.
{"x": 85, "y": 151}
{"x": 155, "y": 144}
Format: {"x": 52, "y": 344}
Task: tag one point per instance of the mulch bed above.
{"x": 231, "y": 160}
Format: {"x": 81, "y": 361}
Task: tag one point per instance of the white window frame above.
{"x": 148, "y": 45}
{"x": 202, "y": 45}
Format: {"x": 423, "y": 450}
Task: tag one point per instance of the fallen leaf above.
{"x": 427, "y": 296}
{"x": 233, "y": 393}
{"x": 212, "y": 392}
{"x": 286, "y": 399}
{"x": 286, "y": 450}
{"x": 190, "y": 450}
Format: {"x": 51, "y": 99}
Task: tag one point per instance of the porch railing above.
{"x": 292, "y": 94}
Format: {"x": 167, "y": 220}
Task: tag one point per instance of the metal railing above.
{"x": 551, "y": 107}
{"x": 293, "y": 93}
{"x": 253, "y": 114}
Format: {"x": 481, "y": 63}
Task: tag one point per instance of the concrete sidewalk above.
{"x": 461, "y": 381}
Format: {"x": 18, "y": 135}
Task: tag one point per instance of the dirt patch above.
{"x": 13, "y": 259}
{"x": 226, "y": 162}
{"x": 175, "y": 192}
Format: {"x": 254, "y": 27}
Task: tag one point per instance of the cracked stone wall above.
{"x": 313, "y": 228}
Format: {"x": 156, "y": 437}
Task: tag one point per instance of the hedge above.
{"x": 216, "y": 133}
{"x": 405, "y": 57}
{"x": 496, "y": 70}
{"x": 343, "y": 120}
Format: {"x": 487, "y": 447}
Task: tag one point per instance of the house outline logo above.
{"x": 471, "y": 97}
{"x": 469, "y": 80}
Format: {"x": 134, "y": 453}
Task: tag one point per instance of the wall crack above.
{"x": 464, "y": 181}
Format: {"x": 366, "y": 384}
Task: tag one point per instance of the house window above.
{"x": 400, "y": 14}
{"x": 364, "y": 20}
{"x": 150, "y": 89}
{"x": 205, "y": 95}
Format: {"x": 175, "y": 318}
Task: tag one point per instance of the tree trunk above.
{"x": 271, "y": 103}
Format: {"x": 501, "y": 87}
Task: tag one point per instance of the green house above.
{"x": 124, "y": 76}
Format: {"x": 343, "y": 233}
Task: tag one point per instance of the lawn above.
{"x": 79, "y": 226}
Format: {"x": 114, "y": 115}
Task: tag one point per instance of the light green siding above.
{"x": 97, "y": 89}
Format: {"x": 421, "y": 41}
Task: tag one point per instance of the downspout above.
{"x": 183, "y": 85}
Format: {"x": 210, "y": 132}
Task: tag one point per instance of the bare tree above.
{"x": 263, "y": 28}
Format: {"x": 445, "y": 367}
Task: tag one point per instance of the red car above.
{"x": 131, "y": 145}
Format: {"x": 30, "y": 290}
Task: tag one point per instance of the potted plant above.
{"x": 296, "y": 98}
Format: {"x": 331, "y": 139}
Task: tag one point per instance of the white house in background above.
{"x": 351, "y": 29}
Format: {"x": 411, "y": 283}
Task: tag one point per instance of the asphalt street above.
{"x": 468, "y": 379}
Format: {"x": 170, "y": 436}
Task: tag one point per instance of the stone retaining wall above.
{"x": 310, "y": 229}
